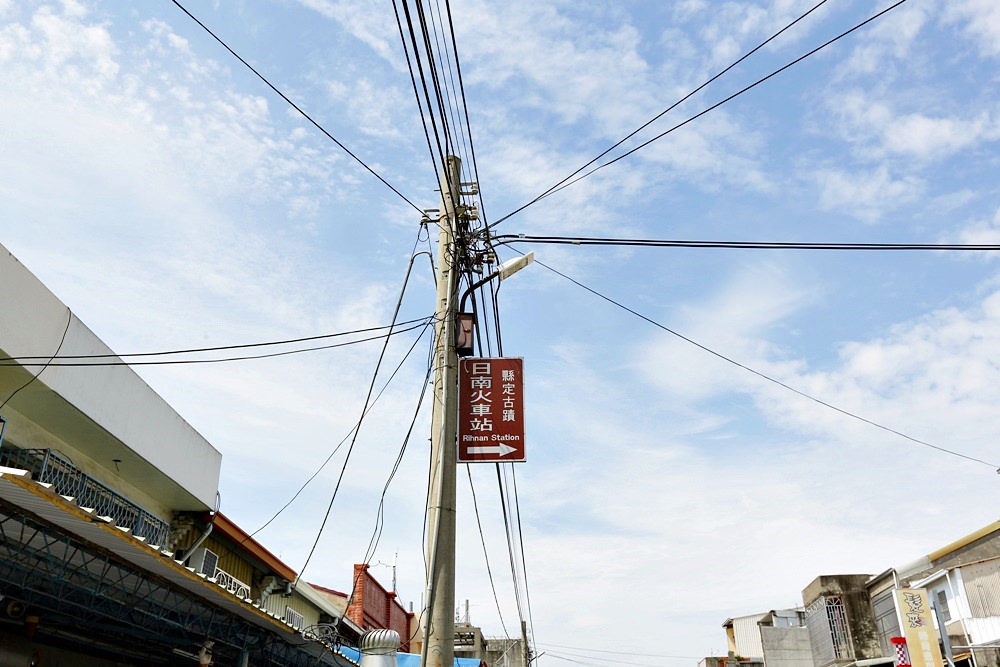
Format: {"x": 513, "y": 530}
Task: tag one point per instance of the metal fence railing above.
{"x": 232, "y": 584}
{"x": 49, "y": 467}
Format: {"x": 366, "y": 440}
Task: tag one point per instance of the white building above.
{"x": 99, "y": 477}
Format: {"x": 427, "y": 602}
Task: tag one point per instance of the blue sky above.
{"x": 173, "y": 201}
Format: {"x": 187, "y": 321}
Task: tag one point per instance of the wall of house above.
{"x": 230, "y": 560}
{"x": 746, "y": 633}
{"x": 24, "y": 433}
{"x": 786, "y": 646}
{"x": 861, "y": 628}
{"x": 109, "y": 412}
{"x": 980, "y": 584}
{"x": 986, "y": 546}
{"x": 506, "y": 653}
{"x": 276, "y": 604}
{"x": 373, "y": 608}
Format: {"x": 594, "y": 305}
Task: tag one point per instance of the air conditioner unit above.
{"x": 205, "y": 561}
{"x": 294, "y": 618}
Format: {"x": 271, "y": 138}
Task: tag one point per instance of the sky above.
{"x": 172, "y": 200}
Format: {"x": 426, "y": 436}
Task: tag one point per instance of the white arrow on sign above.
{"x": 500, "y": 449}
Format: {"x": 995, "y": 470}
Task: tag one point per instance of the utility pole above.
{"x": 439, "y": 629}
{"x": 524, "y": 644}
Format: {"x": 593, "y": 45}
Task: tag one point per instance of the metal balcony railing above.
{"x": 231, "y": 584}
{"x": 49, "y": 467}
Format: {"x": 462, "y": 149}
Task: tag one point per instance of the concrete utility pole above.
{"x": 524, "y": 644}
{"x": 439, "y": 629}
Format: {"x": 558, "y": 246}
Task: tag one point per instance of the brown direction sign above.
{"x": 491, "y": 409}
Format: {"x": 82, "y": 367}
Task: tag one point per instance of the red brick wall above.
{"x": 374, "y": 608}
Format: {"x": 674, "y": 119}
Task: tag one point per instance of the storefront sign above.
{"x": 918, "y": 627}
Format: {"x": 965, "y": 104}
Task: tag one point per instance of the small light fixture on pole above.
{"x": 512, "y": 266}
{"x": 466, "y": 322}
{"x": 504, "y": 271}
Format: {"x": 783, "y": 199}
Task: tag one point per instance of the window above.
{"x": 884, "y": 608}
{"x": 829, "y": 637}
{"x": 942, "y": 605}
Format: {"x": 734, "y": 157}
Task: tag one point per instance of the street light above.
{"x": 512, "y": 266}
{"x": 504, "y": 271}
{"x": 465, "y": 323}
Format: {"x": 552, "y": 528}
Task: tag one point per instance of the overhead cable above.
{"x": 465, "y": 107}
{"x": 319, "y": 469}
{"x": 69, "y": 320}
{"x": 520, "y": 539}
{"x": 508, "y": 239}
{"x": 217, "y": 348}
{"x": 297, "y": 107}
{"x": 486, "y": 555}
{"x": 622, "y": 652}
{"x": 573, "y": 657}
{"x": 416, "y": 93}
{"x": 504, "y": 501}
{"x": 380, "y": 514}
{"x": 567, "y": 182}
{"x": 766, "y": 377}
{"x": 667, "y": 110}
{"x": 364, "y": 411}
{"x": 121, "y": 362}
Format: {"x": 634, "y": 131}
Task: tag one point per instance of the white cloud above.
{"x": 931, "y": 377}
{"x": 865, "y": 194}
{"x": 734, "y": 322}
{"x": 889, "y": 40}
{"x": 545, "y": 68}
{"x": 982, "y": 232}
{"x": 980, "y": 19}
{"x": 374, "y": 27}
{"x": 879, "y": 131}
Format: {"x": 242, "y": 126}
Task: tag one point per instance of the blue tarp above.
{"x": 408, "y": 659}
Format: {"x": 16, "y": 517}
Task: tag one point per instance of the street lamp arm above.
{"x": 504, "y": 271}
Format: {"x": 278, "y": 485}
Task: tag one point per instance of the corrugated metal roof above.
{"x": 39, "y": 499}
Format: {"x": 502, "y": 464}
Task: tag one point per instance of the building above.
{"x": 840, "y": 620}
{"x": 850, "y": 620}
{"x": 504, "y": 652}
{"x": 776, "y": 638}
{"x": 962, "y": 580}
{"x": 372, "y": 607}
{"x": 113, "y": 551}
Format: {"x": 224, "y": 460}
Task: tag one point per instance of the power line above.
{"x": 364, "y": 411}
{"x": 764, "y": 376}
{"x": 570, "y": 657}
{"x": 505, "y": 495}
{"x": 380, "y": 515}
{"x": 665, "y": 111}
{"x": 217, "y": 348}
{"x": 509, "y": 239}
{"x": 69, "y": 320}
{"x": 520, "y": 539}
{"x": 296, "y": 106}
{"x": 413, "y": 80}
{"x": 120, "y": 362}
{"x": 486, "y": 555}
{"x": 504, "y": 500}
{"x": 567, "y": 183}
{"x": 465, "y": 107}
{"x": 344, "y": 439}
{"x": 641, "y": 655}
